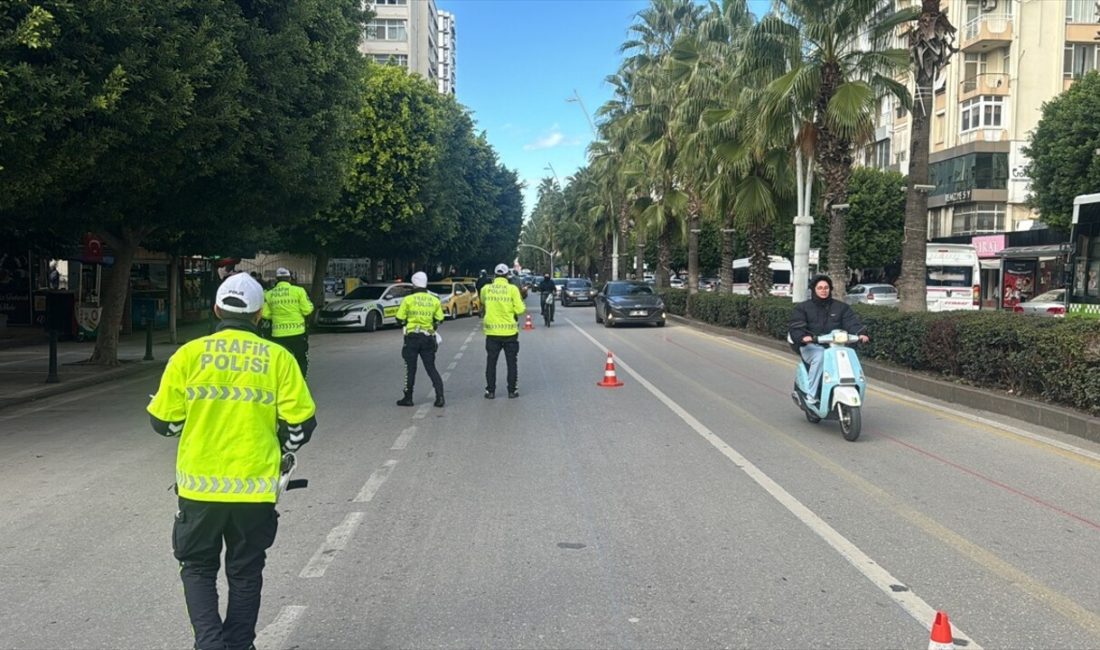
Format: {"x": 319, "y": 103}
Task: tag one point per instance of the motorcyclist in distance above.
{"x": 819, "y": 315}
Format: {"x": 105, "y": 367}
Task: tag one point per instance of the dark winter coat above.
{"x": 815, "y": 317}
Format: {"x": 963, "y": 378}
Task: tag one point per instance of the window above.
{"x": 973, "y": 65}
{"x": 386, "y": 29}
{"x": 1080, "y": 58}
{"x": 878, "y": 154}
{"x": 982, "y": 171}
{"x": 981, "y": 113}
{"x": 401, "y": 60}
{"x": 937, "y": 128}
{"x": 1082, "y": 11}
{"x": 978, "y": 218}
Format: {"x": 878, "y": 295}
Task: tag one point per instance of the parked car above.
{"x": 676, "y": 282}
{"x": 709, "y": 284}
{"x": 456, "y": 299}
{"x": 1050, "y": 303}
{"x": 872, "y": 294}
{"x": 367, "y": 307}
{"x": 577, "y": 291}
{"x": 629, "y": 302}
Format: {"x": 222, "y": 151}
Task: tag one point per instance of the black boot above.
{"x": 439, "y": 401}
{"x": 407, "y": 400}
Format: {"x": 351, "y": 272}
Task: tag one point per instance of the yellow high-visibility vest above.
{"x": 502, "y": 303}
{"x": 287, "y": 306}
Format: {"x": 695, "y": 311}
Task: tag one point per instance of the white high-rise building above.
{"x": 446, "y": 32}
{"x": 405, "y": 33}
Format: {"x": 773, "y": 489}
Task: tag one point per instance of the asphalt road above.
{"x": 693, "y": 507}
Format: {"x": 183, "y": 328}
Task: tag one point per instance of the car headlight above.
{"x": 356, "y": 309}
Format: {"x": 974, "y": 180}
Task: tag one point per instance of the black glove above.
{"x": 293, "y": 436}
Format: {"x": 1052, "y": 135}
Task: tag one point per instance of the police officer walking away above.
{"x": 233, "y": 398}
{"x": 420, "y": 313}
{"x": 287, "y": 306}
{"x": 503, "y": 306}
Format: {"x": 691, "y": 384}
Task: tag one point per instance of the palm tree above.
{"x": 930, "y": 48}
{"x": 834, "y": 80}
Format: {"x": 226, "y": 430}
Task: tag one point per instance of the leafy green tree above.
{"x": 1063, "y": 151}
{"x": 875, "y": 219}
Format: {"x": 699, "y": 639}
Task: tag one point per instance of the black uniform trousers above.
{"x": 298, "y": 345}
{"x": 423, "y": 346}
{"x": 493, "y": 346}
{"x": 248, "y": 530}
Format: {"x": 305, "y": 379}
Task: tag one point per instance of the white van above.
{"x": 781, "y": 276}
{"x": 953, "y": 277}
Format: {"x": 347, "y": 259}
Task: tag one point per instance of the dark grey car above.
{"x": 629, "y": 302}
{"x": 577, "y": 291}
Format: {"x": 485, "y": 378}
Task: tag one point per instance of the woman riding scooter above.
{"x": 817, "y": 316}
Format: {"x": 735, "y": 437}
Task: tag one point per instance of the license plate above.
{"x": 638, "y": 312}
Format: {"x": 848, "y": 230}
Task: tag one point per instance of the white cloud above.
{"x": 547, "y": 142}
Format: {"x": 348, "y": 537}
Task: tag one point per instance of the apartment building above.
{"x": 1013, "y": 56}
{"x": 446, "y": 31}
{"x": 405, "y": 33}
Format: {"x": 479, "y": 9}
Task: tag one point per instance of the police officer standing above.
{"x": 503, "y": 306}
{"x": 287, "y": 306}
{"x": 420, "y": 313}
{"x": 233, "y": 398}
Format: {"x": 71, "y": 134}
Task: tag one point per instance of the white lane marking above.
{"x": 926, "y": 402}
{"x": 463, "y": 348}
{"x": 275, "y": 634}
{"x": 421, "y": 412}
{"x": 403, "y": 439}
{"x": 335, "y": 542}
{"x": 370, "y": 488}
{"x": 458, "y": 355}
{"x": 445, "y": 376}
{"x": 914, "y": 605}
{"x": 452, "y": 365}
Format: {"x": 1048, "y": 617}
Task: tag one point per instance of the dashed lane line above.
{"x": 375, "y": 481}
{"x": 403, "y": 439}
{"x": 335, "y": 542}
{"x": 275, "y": 634}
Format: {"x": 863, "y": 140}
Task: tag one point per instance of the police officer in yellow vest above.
{"x": 287, "y": 306}
{"x": 234, "y": 399}
{"x": 420, "y": 313}
{"x": 503, "y": 305}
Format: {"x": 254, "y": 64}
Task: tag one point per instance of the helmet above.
{"x": 501, "y": 269}
{"x": 483, "y": 272}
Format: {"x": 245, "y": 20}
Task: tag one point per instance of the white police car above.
{"x": 368, "y": 307}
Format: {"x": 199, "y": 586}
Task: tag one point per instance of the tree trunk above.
{"x": 693, "y": 245}
{"x": 624, "y": 237}
{"x": 725, "y": 274}
{"x": 320, "y": 270}
{"x": 664, "y": 256}
{"x": 605, "y": 258}
{"x": 760, "y": 273}
{"x": 834, "y": 158}
{"x": 173, "y": 297}
{"x": 639, "y": 258}
{"x": 116, "y": 286}
{"x": 930, "y": 48}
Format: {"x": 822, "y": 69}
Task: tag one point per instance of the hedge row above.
{"x": 1053, "y": 359}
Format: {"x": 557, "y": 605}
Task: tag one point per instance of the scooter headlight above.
{"x": 840, "y": 337}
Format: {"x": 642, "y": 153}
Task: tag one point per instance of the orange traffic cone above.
{"x": 609, "y": 378}
{"x": 942, "y": 638}
{"x": 527, "y": 324}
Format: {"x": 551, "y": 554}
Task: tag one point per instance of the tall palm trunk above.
{"x": 664, "y": 255}
{"x": 725, "y": 274}
{"x": 639, "y": 257}
{"x": 760, "y": 273}
{"x": 624, "y": 232}
{"x": 606, "y": 250}
{"x": 834, "y": 157}
{"x": 930, "y": 51}
{"x": 695, "y": 206}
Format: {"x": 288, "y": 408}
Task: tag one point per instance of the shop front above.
{"x": 1031, "y": 270}
{"x": 987, "y": 247}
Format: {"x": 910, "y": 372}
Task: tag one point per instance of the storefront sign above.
{"x": 988, "y": 245}
{"x": 957, "y": 197}
{"x": 1019, "y": 183}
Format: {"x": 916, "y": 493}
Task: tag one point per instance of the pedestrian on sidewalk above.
{"x": 503, "y": 305}
{"x": 234, "y": 399}
{"x": 420, "y": 314}
{"x": 286, "y": 306}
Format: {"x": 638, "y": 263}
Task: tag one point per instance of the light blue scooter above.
{"x": 843, "y": 384}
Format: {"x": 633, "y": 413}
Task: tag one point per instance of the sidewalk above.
{"x": 25, "y": 361}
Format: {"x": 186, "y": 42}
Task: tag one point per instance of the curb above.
{"x": 1046, "y": 415}
{"x": 65, "y": 386}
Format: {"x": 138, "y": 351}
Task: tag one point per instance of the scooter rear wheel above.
{"x": 850, "y": 421}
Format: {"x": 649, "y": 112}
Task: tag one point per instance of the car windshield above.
{"x": 1056, "y": 295}
{"x": 631, "y": 289}
{"x": 578, "y": 284}
{"x": 878, "y": 291}
{"x": 366, "y": 293}
{"x": 441, "y": 289}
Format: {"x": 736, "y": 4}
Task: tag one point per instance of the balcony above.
{"x": 988, "y": 31}
{"x": 987, "y": 83}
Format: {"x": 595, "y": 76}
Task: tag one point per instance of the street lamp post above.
{"x": 576, "y": 99}
{"x": 550, "y": 254}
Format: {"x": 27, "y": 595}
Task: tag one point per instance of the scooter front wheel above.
{"x": 850, "y": 421}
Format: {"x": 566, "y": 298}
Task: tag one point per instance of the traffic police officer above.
{"x": 503, "y": 306}
{"x": 420, "y": 313}
{"x": 287, "y": 306}
{"x": 233, "y": 398}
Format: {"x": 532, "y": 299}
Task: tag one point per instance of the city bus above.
{"x": 953, "y": 279}
{"x": 781, "y": 275}
{"x": 1083, "y": 292}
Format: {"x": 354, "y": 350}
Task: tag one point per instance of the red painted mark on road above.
{"x": 966, "y": 470}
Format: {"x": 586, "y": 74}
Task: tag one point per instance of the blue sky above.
{"x": 518, "y": 61}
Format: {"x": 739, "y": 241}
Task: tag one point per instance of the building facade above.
{"x": 404, "y": 33}
{"x": 446, "y": 32}
{"x": 1013, "y": 56}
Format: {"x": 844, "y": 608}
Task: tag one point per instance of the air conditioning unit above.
{"x": 989, "y": 5}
